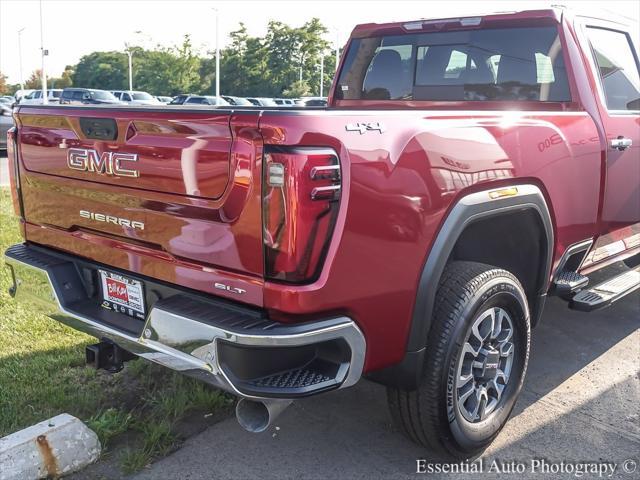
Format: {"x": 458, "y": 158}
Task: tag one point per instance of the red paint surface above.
{"x": 397, "y": 187}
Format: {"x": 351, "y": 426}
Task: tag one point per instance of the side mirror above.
{"x": 634, "y": 104}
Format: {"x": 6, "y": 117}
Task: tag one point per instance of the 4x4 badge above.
{"x": 363, "y": 127}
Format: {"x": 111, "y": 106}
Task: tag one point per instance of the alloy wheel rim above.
{"x": 484, "y": 366}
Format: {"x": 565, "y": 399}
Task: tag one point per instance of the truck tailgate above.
{"x": 174, "y": 194}
{"x": 187, "y": 154}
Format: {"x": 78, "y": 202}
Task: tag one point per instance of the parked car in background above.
{"x": 6, "y": 122}
{"x": 312, "y": 102}
{"x": 134, "y": 97}
{"x": 285, "y": 102}
{"x": 7, "y": 100}
{"x": 87, "y": 96}
{"x": 239, "y": 101}
{"x": 22, "y": 93}
{"x": 205, "y": 100}
{"x": 35, "y": 97}
{"x": 262, "y": 102}
{"x": 179, "y": 99}
{"x": 163, "y": 99}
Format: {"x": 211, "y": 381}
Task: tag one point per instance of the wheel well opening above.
{"x": 515, "y": 241}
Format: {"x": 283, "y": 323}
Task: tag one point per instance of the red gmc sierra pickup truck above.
{"x": 465, "y": 169}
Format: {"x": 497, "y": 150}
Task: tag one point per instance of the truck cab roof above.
{"x": 479, "y": 19}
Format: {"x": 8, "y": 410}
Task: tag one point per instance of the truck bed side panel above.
{"x": 400, "y": 182}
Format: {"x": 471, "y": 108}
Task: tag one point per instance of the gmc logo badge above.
{"x": 105, "y": 163}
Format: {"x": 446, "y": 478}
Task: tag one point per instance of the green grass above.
{"x": 42, "y": 374}
{"x": 158, "y": 440}
{"x": 109, "y": 424}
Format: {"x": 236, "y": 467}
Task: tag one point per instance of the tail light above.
{"x": 301, "y": 194}
{"x": 14, "y": 171}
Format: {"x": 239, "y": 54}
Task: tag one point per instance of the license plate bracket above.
{"x": 122, "y": 294}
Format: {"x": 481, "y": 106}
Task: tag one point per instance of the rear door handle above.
{"x": 621, "y": 143}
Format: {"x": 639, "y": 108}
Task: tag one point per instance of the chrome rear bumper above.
{"x": 185, "y": 333}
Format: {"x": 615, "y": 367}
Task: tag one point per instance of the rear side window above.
{"x": 617, "y": 68}
{"x": 488, "y": 64}
{"x": 78, "y": 95}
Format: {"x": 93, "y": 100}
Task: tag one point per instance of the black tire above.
{"x": 632, "y": 262}
{"x": 430, "y": 415}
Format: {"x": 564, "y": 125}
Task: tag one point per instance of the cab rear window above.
{"x": 484, "y": 65}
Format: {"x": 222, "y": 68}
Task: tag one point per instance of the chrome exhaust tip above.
{"x": 257, "y": 416}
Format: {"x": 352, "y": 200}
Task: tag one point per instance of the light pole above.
{"x": 129, "y": 51}
{"x": 20, "y": 56}
{"x": 217, "y": 55}
{"x": 321, "y": 74}
{"x": 337, "y": 48}
{"x": 301, "y": 66}
{"x": 130, "y": 55}
{"x": 43, "y": 72}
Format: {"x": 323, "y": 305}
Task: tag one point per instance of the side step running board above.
{"x": 607, "y": 292}
{"x": 568, "y": 282}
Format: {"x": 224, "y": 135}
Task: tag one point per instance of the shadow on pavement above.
{"x": 580, "y": 402}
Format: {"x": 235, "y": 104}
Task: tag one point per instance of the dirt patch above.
{"x": 109, "y": 467}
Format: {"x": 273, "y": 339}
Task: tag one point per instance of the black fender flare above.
{"x": 468, "y": 209}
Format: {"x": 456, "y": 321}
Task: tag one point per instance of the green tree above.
{"x": 168, "y": 71}
{"x": 270, "y": 66}
{"x": 104, "y": 70}
{"x": 243, "y": 66}
{"x": 67, "y": 76}
{"x": 62, "y": 81}
{"x": 298, "y": 89}
{"x": 250, "y": 66}
{"x": 313, "y": 47}
{"x": 152, "y": 72}
{"x": 186, "y": 69}
{"x": 286, "y": 56}
{"x": 4, "y": 88}
{"x": 233, "y": 63}
{"x": 7, "y": 88}
{"x": 34, "y": 81}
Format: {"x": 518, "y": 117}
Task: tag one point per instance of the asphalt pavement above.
{"x": 581, "y": 403}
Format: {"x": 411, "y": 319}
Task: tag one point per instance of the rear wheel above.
{"x": 477, "y": 354}
{"x": 632, "y": 262}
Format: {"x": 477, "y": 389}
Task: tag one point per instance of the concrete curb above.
{"x": 53, "y": 448}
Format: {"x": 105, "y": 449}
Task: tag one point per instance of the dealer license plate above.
{"x": 122, "y": 294}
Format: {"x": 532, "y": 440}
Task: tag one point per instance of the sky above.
{"x": 72, "y": 28}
